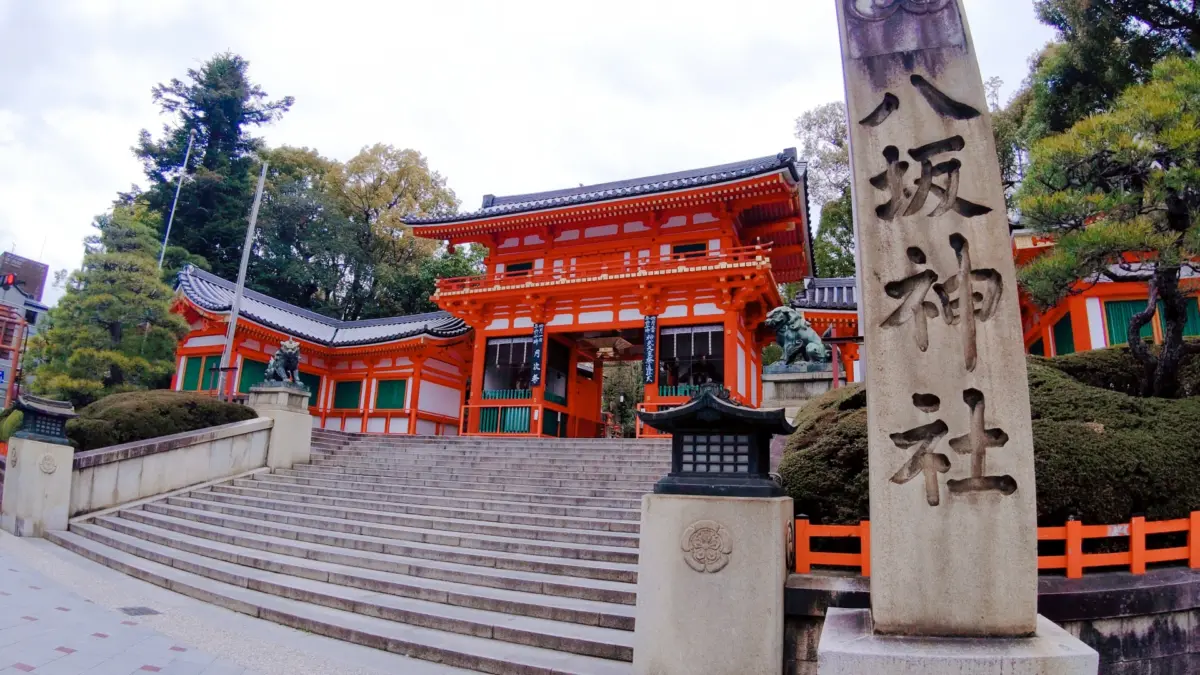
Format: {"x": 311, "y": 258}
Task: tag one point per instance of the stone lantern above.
{"x": 44, "y": 419}
{"x": 719, "y": 448}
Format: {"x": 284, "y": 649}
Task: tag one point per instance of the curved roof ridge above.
{"x": 631, "y": 187}
{"x": 215, "y": 293}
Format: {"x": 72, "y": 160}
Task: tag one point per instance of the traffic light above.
{"x": 8, "y": 281}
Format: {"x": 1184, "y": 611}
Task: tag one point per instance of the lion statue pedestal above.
{"x": 282, "y": 397}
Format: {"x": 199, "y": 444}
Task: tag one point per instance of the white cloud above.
{"x": 501, "y": 97}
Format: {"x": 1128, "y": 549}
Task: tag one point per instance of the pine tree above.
{"x": 113, "y": 331}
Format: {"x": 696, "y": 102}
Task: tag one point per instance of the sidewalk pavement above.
{"x": 47, "y": 630}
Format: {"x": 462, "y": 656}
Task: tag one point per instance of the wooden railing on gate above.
{"x": 1074, "y": 560}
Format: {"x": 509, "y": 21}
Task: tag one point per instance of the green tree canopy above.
{"x": 1118, "y": 191}
{"x": 220, "y": 103}
{"x": 825, "y": 141}
{"x": 113, "y": 330}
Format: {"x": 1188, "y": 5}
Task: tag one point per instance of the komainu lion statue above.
{"x": 796, "y": 337}
{"x": 282, "y": 367}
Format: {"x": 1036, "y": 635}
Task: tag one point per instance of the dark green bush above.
{"x": 139, "y": 415}
{"x": 1116, "y": 369}
{"x": 1099, "y": 454}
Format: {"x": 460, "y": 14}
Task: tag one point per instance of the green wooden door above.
{"x": 192, "y": 367}
{"x": 253, "y": 373}
{"x": 347, "y": 394}
{"x": 1117, "y": 314}
{"x": 1037, "y": 348}
{"x": 313, "y": 382}
{"x": 1191, "y": 326}
{"x": 1064, "y": 336}
{"x": 390, "y": 394}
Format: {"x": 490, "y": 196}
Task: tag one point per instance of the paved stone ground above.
{"x": 60, "y": 614}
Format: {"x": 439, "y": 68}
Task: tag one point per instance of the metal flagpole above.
{"x": 235, "y": 308}
{"x": 171, "y": 219}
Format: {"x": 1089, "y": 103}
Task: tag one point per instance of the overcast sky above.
{"x": 502, "y": 97}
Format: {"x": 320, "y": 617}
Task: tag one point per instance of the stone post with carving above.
{"x": 953, "y": 513}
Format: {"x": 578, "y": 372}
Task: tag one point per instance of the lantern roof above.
{"x": 712, "y": 410}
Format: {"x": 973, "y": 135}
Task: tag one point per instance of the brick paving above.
{"x": 47, "y": 630}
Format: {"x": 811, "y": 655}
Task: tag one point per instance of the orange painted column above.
{"x": 1077, "y": 306}
{"x": 418, "y": 367}
{"x": 731, "y": 353}
{"x": 478, "y": 361}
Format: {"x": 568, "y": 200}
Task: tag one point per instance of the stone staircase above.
{"x": 497, "y": 555}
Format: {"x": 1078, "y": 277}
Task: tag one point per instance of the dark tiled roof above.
{"x": 216, "y": 295}
{"x": 498, "y": 206}
{"x": 833, "y": 293}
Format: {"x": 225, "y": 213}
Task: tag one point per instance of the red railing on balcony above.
{"x": 655, "y": 264}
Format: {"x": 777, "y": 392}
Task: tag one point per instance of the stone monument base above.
{"x": 849, "y": 647}
{"x": 291, "y": 437}
{"x": 711, "y": 573}
{"x": 37, "y": 487}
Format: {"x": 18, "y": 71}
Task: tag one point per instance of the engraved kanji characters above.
{"x": 967, "y": 297}
{"x": 924, "y": 461}
{"x": 975, "y": 443}
{"x": 927, "y": 462}
{"x": 908, "y": 201}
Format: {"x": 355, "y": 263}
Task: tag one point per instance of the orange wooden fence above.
{"x": 1074, "y": 560}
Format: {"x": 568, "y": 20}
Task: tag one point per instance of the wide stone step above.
{"x": 464, "y": 540}
{"x": 264, "y": 481}
{"x": 494, "y": 655}
{"x": 498, "y": 559}
{"x": 459, "y": 512}
{"x": 479, "y": 474}
{"x": 481, "y": 452}
{"x": 350, "y": 483}
{"x": 489, "y": 599}
{"x": 494, "y": 482}
{"x": 556, "y": 464}
{"x": 447, "y": 525}
{"x": 553, "y": 591}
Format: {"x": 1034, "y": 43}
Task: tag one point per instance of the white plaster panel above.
{"x": 567, "y": 235}
{"x": 449, "y": 430}
{"x": 703, "y": 218}
{"x": 675, "y": 221}
{"x": 522, "y": 322}
{"x": 179, "y": 375}
{"x": 270, "y": 350}
{"x": 705, "y": 309}
{"x": 600, "y": 231}
{"x": 562, "y": 320}
{"x": 353, "y": 424}
{"x": 213, "y": 340}
{"x": 440, "y": 399}
{"x": 403, "y": 360}
{"x": 443, "y": 366}
{"x": 673, "y": 311}
{"x": 426, "y": 428}
{"x": 334, "y": 423}
{"x": 858, "y": 371}
{"x": 318, "y": 363}
{"x": 249, "y": 344}
{"x": 596, "y": 317}
{"x": 511, "y": 242}
{"x": 532, "y": 239}
{"x": 635, "y": 226}
{"x": 358, "y": 365}
{"x": 398, "y": 425}
{"x": 499, "y": 268}
{"x": 497, "y": 324}
{"x": 558, "y": 264}
{"x": 376, "y": 425}
{"x": 1095, "y": 317}
{"x": 629, "y": 315}
{"x": 384, "y": 363}
{"x": 316, "y": 422}
{"x": 341, "y": 366}
{"x": 741, "y": 363}
{"x": 539, "y": 263}
{"x": 714, "y": 245}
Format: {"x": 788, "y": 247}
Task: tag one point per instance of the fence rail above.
{"x": 1074, "y": 561}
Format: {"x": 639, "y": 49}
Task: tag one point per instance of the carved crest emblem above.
{"x": 878, "y": 10}
{"x": 706, "y": 546}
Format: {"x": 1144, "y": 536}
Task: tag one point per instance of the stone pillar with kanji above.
{"x": 953, "y": 511}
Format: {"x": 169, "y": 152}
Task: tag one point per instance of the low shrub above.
{"x": 1100, "y": 454}
{"x": 139, "y": 415}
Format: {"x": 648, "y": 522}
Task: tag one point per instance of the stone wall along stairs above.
{"x": 498, "y": 555}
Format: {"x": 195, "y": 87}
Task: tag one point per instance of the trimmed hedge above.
{"x": 1100, "y": 455}
{"x": 140, "y": 415}
{"x": 1115, "y": 369}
